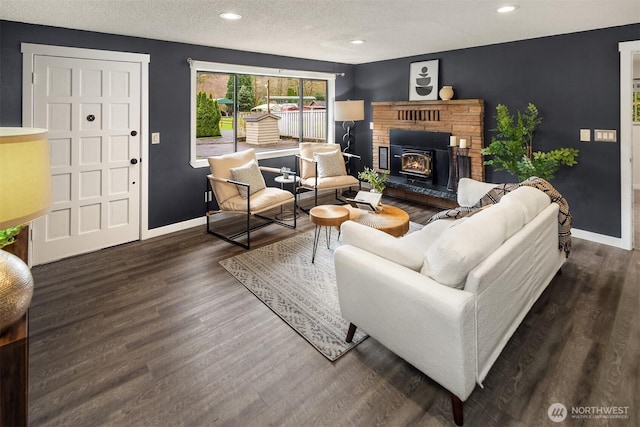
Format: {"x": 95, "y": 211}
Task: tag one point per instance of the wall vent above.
{"x": 419, "y": 115}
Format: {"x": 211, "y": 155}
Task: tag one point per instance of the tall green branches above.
{"x": 511, "y": 148}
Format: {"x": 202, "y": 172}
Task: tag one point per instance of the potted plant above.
{"x": 375, "y": 179}
{"x": 8, "y": 236}
{"x": 512, "y": 147}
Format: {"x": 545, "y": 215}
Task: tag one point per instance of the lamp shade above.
{"x": 25, "y": 175}
{"x": 349, "y": 111}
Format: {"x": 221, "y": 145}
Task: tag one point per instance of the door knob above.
{"x": 134, "y": 133}
{"x": 134, "y": 161}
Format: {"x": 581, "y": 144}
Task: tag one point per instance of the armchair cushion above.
{"x": 330, "y": 164}
{"x": 221, "y": 168}
{"x": 248, "y": 173}
{"x": 262, "y": 200}
{"x": 307, "y": 150}
{"x": 330, "y": 182}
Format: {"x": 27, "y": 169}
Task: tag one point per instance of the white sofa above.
{"x": 447, "y": 298}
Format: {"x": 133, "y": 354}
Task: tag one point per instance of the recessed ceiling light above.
{"x": 506, "y": 9}
{"x": 357, "y": 41}
{"x": 230, "y": 16}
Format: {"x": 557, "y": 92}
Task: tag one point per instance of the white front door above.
{"x": 91, "y": 109}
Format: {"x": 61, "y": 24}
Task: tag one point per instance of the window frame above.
{"x": 218, "y": 67}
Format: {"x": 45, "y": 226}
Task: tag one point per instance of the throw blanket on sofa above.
{"x": 495, "y": 194}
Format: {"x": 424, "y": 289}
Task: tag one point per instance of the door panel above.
{"x": 91, "y": 108}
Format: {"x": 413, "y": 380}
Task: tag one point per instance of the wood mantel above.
{"x": 463, "y": 118}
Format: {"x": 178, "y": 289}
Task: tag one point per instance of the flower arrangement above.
{"x": 376, "y": 180}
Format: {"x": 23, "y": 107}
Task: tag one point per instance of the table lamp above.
{"x": 348, "y": 112}
{"x": 25, "y": 194}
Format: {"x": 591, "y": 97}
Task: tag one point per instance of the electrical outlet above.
{"x": 155, "y": 138}
{"x": 585, "y": 135}
{"x": 605, "y": 135}
{"x": 371, "y": 125}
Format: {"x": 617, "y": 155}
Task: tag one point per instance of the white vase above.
{"x": 446, "y": 93}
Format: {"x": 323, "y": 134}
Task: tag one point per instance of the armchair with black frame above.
{"x": 239, "y": 188}
{"x": 321, "y": 166}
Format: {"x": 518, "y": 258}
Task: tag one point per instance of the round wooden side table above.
{"x": 327, "y": 216}
{"x": 390, "y": 219}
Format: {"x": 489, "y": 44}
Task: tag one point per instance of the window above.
{"x": 236, "y": 107}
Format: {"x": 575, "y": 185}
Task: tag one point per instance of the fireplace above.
{"x": 419, "y": 157}
{"x": 416, "y": 163}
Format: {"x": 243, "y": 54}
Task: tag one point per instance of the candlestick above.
{"x": 452, "y": 184}
{"x": 453, "y": 141}
{"x": 463, "y": 143}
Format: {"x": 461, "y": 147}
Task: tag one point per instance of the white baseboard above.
{"x": 179, "y": 226}
{"x": 172, "y": 228}
{"x": 599, "y": 238}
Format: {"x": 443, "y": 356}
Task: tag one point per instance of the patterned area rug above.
{"x": 303, "y": 294}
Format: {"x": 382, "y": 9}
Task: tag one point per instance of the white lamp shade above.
{"x": 349, "y": 111}
{"x": 25, "y": 175}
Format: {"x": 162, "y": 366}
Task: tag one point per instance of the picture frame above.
{"x": 423, "y": 80}
{"x": 383, "y": 158}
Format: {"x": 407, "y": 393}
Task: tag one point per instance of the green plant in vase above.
{"x": 375, "y": 179}
{"x": 512, "y": 147}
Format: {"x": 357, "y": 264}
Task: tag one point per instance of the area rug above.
{"x": 303, "y": 294}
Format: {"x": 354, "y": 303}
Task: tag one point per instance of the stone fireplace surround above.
{"x": 463, "y": 118}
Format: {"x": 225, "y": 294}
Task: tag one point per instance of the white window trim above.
{"x": 217, "y": 67}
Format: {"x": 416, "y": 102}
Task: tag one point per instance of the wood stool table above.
{"x": 326, "y": 216}
{"x": 390, "y": 219}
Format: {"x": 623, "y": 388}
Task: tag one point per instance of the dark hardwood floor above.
{"x": 157, "y": 333}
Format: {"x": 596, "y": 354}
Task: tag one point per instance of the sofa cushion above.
{"x": 424, "y": 238}
{"x": 513, "y": 215}
{"x": 382, "y": 244}
{"x": 248, "y": 173}
{"x": 462, "y": 247}
{"x": 532, "y": 200}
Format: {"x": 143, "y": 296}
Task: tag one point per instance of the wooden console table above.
{"x": 14, "y": 358}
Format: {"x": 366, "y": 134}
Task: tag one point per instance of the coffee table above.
{"x": 390, "y": 219}
{"x": 326, "y": 216}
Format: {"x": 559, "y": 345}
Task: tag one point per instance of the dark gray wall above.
{"x": 572, "y": 79}
{"x": 175, "y": 188}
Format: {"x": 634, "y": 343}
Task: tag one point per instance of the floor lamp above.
{"x": 348, "y": 112}
{"x": 25, "y": 194}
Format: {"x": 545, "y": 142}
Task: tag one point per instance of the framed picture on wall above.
{"x": 423, "y": 80}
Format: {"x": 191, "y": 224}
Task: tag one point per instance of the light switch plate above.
{"x": 605, "y": 135}
{"x": 155, "y": 138}
{"x": 371, "y": 125}
{"x": 585, "y": 135}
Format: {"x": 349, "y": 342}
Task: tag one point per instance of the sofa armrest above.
{"x": 429, "y": 325}
{"x": 471, "y": 191}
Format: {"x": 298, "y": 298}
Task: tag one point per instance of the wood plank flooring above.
{"x": 156, "y": 333}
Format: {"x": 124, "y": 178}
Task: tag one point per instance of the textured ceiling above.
{"x": 322, "y": 29}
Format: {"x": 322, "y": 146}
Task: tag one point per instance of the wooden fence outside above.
{"x": 314, "y": 124}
